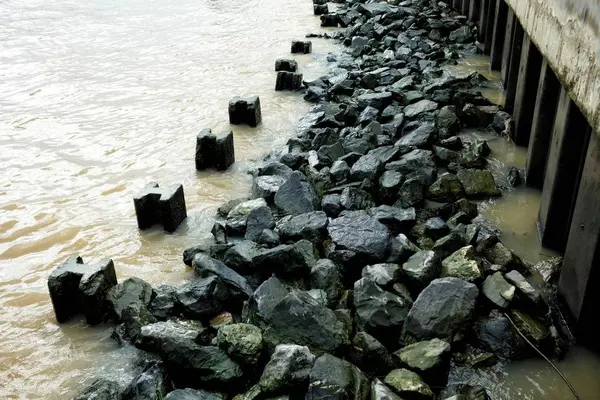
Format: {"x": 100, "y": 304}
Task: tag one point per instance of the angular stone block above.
{"x": 245, "y": 111}
{"x": 301, "y": 47}
{"x": 165, "y": 206}
{"x": 77, "y": 288}
{"x": 320, "y": 9}
{"x": 288, "y": 81}
{"x": 284, "y": 64}
{"x": 214, "y": 151}
{"x": 329, "y": 20}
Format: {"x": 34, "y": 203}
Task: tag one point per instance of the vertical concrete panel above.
{"x": 482, "y": 22}
{"x": 474, "y": 11}
{"x": 579, "y": 282}
{"x": 456, "y": 4}
{"x": 568, "y": 146}
{"x": 526, "y": 90}
{"x": 508, "y": 46}
{"x": 465, "y": 7}
{"x": 501, "y": 15}
{"x": 514, "y": 64}
{"x": 489, "y": 28}
{"x": 544, "y": 112}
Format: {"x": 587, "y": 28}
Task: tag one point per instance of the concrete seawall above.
{"x": 567, "y": 33}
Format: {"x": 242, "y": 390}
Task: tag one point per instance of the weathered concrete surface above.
{"x": 567, "y": 33}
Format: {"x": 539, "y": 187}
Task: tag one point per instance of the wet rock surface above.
{"x": 356, "y": 268}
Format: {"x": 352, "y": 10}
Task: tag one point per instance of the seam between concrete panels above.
{"x": 571, "y": 46}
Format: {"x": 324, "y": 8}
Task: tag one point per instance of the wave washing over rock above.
{"x": 334, "y": 280}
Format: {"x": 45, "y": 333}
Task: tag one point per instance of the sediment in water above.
{"x": 364, "y": 256}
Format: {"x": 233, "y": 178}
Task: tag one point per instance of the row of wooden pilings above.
{"x": 563, "y": 158}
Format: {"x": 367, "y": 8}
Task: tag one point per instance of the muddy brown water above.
{"x": 97, "y": 99}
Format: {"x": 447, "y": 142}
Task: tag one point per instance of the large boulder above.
{"x": 101, "y": 389}
{"x": 421, "y": 268}
{"x": 494, "y": 333}
{"x": 257, "y": 221}
{"x": 288, "y": 370}
{"x": 498, "y": 291}
{"x": 478, "y": 183}
{"x": 429, "y": 358}
{"x": 195, "y": 366}
{"x": 296, "y": 196}
{"x": 361, "y": 234}
{"x": 130, "y": 292}
{"x": 326, "y": 275}
{"x": 206, "y": 266}
{"x": 243, "y": 342}
{"x": 287, "y": 261}
{"x": 202, "y": 299}
{"x": 444, "y": 309}
{"x": 370, "y": 355}
{"x": 264, "y": 300}
{"x": 310, "y": 226}
{"x": 153, "y": 336}
{"x": 381, "y": 391}
{"x": 192, "y": 394}
{"x": 240, "y": 257}
{"x": 237, "y": 217}
{"x": 378, "y": 312}
{"x": 408, "y": 385}
{"x": 334, "y": 378}
{"x": 301, "y": 319}
{"x": 462, "y": 264}
{"x": 152, "y": 384}
{"x": 416, "y": 135}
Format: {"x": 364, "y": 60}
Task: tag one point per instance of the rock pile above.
{"x": 334, "y": 281}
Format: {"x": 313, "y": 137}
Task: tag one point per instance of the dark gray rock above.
{"x": 529, "y": 297}
{"x": 462, "y": 264}
{"x": 76, "y": 288}
{"x": 378, "y": 312}
{"x": 299, "y": 318}
{"x": 461, "y": 35}
{"x": 448, "y": 122}
{"x": 408, "y": 384}
{"x": 498, "y": 291}
{"x": 412, "y": 193}
{"x": 268, "y": 238}
{"x": 380, "y": 391}
{"x": 334, "y": 378}
{"x": 296, "y": 196}
{"x": 501, "y": 121}
{"x": 361, "y": 234}
{"x": 219, "y": 233}
{"x": 385, "y": 275}
{"x": 339, "y": 171}
{"x": 164, "y": 302}
{"x": 326, "y": 275}
{"x": 202, "y": 299}
{"x": 500, "y": 255}
{"x": 258, "y": 220}
{"x": 153, "y": 336}
{"x": 272, "y": 168}
{"x": 402, "y": 249}
{"x": 415, "y": 160}
{"x": 353, "y": 198}
{"x": 375, "y": 100}
{"x": 448, "y": 244}
{"x": 444, "y": 309}
{"x": 446, "y": 189}
{"x": 367, "y": 167}
{"x": 310, "y": 226}
{"x": 429, "y": 358}
{"x": 420, "y": 107}
{"x": 367, "y": 115}
{"x": 266, "y": 186}
{"x": 287, "y": 261}
{"x": 265, "y": 298}
{"x": 192, "y": 365}
{"x": 192, "y": 394}
{"x": 152, "y": 384}
{"x": 416, "y": 135}
{"x": 389, "y": 186}
{"x": 331, "y": 205}
{"x": 165, "y": 206}
{"x": 288, "y": 81}
{"x": 237, "y": 218}
{"x": 303, "y": 47}
{"x": 421, "y": 268}
{"x": 514, "y": 177}
{"x": 396, "y": 219}
{"x": 288, "y": 370}
{"x": 129, "y": 292}
{"x": 328, "y": 154}
{"x": 101, "y": 389}
{"x": 495, "y": 334}
{"x": 435, "y": 228}
{"x": 240, "y": 257}
{"x": 478, "y": 183}
{"x": 370, "y": 355}
{"x": 243, "y": 342}
{"x": 206, "y": 266}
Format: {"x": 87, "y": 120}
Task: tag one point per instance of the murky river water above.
{"x": 98, "y": 98}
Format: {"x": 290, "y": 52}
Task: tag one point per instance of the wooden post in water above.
{"x": 541, "y": 128}
{"x": 568, "y": 147}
